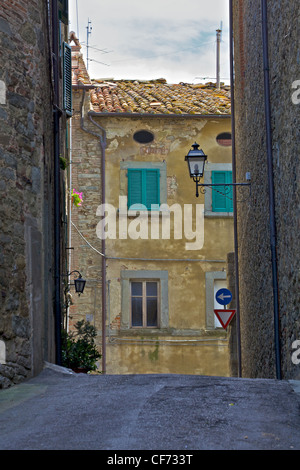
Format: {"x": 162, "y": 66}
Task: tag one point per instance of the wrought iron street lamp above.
{"x": 79, "y": 283}
{"x": 196, "y": 159}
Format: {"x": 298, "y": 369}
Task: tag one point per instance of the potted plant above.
{"x": 79, "y": 351}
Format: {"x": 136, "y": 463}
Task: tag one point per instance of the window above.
{"x": 216, "y": 197}
{"x": 143, "y": 137}
{"x": 143, "y": 188}
{"x": 221, "y": 196}
{"x": 224, "y": 139}
{"x": 145, "y": 299}
{"x": 213, "y": 281}
{"x": 63, "y": 11}
{"x": 144, "y": 304}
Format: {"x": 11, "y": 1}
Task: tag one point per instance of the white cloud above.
{"x": 173, "y": 39}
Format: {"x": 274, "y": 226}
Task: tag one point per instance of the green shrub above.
{"x": 78, "y": 348}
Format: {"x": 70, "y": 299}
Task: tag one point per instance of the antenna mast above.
{"x": 219, "y": 31}
{"x": 88, "y": 32}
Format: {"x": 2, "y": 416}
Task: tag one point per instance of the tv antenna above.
{"x": 219, "y": 33}
{"x": 88, "y": 32}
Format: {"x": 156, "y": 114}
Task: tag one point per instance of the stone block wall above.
{"x": 86, "y": 178}
{"x": 26, "y": 184}
{"x": 256, "y": 289}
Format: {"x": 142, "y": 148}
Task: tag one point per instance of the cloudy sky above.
{"x": 140, "y": 39}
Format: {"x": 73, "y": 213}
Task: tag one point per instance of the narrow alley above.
{"x": 60, "y": 410}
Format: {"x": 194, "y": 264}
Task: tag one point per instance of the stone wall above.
{"x": 26, "y": 184}
{"x": 256, "y": 288}
{"x": 86, "y": 178}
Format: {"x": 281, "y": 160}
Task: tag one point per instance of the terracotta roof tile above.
{"x": 148, "y": 97}
{"x": 158, "y": 97}
{"x": 79, "y": 72}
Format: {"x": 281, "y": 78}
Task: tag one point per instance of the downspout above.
{"x": 102, "y": 140}
{"x": 70, "y": 219}
{"x": 236, "y": 261}
{"x": 56, "y": 138}
{"x": 273, "y": 236}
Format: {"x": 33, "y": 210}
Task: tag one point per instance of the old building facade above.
{"x": 129, "y": 141}
{"x": 266, "y": 96}
{"x": 33, "y": 118}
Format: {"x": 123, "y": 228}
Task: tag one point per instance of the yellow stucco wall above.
{"x": 187, "y": 345}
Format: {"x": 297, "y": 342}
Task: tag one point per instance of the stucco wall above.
{"x": 184, "y": 344}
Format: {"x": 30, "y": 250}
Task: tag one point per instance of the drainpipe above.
{"x": 102, "y": 140}
{"x": 56, "y": 137}
{"x": 273, "y": 237}
{"x": 70, "y": 219}
{"x": 236, "y": 262}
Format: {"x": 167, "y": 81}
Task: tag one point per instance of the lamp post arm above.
{"x": 214, "y": 186}
{"x": 222, "y": 184}
{"x": 75, "y": 271}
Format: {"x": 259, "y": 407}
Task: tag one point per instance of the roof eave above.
{"x": 160, "y": 115}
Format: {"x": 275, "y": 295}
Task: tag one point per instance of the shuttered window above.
{"x": 143, "y": 188}
{"x": 63, "y": 11}
{"x": 222, "y": 196}
{"x": 67, "y": 78}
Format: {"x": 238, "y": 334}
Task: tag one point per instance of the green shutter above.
{"x": 143, "y": 188}
{"x": 63, "y": 11}
{"x": 230, "y": 193}
{"x": 152, "y": 189}
{"x": 221, "y": 196}
{"x": 67, "y": 77}
{"x": 135, "y": 196}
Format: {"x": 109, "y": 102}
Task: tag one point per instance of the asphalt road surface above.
{"x": 167, "y": 414}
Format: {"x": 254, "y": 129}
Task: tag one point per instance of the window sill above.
{"x": 215, "y": 333}
{"x": 136, "y": 331}
{"x": 212, "y": 214}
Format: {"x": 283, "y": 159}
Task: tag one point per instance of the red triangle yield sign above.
{"x": 224, "y": 316}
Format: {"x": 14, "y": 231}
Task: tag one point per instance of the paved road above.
{"x": 59, "y": 410}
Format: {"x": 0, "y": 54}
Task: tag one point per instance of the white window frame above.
{"x": 210, "y": 278}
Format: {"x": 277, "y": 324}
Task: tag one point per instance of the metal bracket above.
{"x": 225, "y": 192}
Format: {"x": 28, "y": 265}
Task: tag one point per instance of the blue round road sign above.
{"x": 223, "y": 296}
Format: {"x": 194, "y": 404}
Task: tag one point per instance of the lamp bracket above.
{"x": 226, "y": 188}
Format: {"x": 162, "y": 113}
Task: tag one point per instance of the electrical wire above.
{"x": 91, "y": 246}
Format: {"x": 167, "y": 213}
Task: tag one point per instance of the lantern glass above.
{"x": 196, "y": 160}
{"x": 79, "y": 285}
